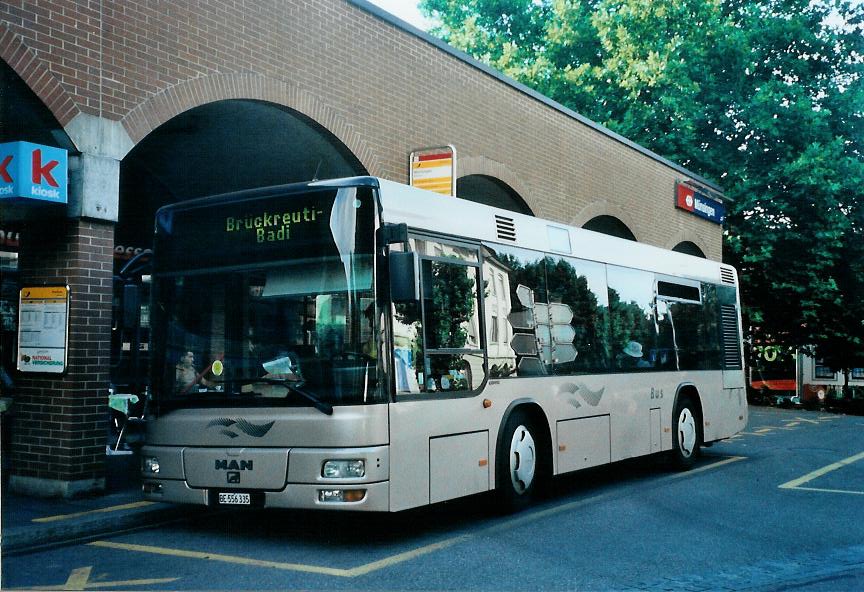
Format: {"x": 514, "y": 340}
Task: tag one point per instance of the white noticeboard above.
{"x": 434, "y": 169}
{"x": 43, "y": 329}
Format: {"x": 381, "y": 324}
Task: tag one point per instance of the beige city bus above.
{"x": 359, "y": 344}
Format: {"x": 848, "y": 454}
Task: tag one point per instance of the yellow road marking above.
{"x": 219, "y": 557}
{"x": 393, "y": 559}
{"x": 719, "y": 463}
{"x": 829, "y": 490}
{"x": 402, "y": 557}
{"x": 119, "y": 508}
{"x": 329, "y": 571}
{"x": 79, "y": 579}
{"x": 797, "y": 483}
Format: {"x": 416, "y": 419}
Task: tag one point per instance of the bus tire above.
{"x": 519, "y": 465}
{"x": 686, "y": 433}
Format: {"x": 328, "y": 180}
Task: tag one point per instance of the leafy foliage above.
{"x": 765, "y": 97}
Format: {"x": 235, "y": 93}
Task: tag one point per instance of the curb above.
{"x": 34, "y": 536}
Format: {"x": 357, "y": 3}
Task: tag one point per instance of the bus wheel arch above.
{"x": 523, "y": 455}
{"x": 687, "y": 427}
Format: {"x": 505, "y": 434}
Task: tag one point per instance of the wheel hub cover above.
{"x": 686, "y": 432}
{"x": 523, "y": 459}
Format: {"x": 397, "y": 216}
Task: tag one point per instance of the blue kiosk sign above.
{"x": 33, "y": 172}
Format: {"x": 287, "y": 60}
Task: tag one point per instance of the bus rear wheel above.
{"x": 519, "y": 465}
{"x": 686, "y": 433}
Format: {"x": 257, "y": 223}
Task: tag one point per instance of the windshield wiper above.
{"x": 322, "y": 406}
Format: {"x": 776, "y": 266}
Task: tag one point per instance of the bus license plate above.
{"x": 235, "y": 499}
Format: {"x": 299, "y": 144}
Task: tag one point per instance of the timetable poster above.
{"x": 43, "y": 326}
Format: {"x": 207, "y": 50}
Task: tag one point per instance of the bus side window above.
{"x": 696, "y": 332}
{"x": 632, "y": 332}
{"x": 437, "y": 344}
{"x": 665, "y": 355}
{"x": 454, "y": 358}
{"x": 407, "y": 347}
{"x": 581, "y": 287}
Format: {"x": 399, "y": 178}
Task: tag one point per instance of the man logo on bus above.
{"x": 233, "y": 465}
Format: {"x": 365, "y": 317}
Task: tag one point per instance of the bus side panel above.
{"x": 583, "y": 443}
{"x": 458, "y": 465}
{"x": 725, "y": 412}
{"x": 417, "y": 431}
{"x": 592, "y": 420}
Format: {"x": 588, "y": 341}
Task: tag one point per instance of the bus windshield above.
{"x": 280, "y": 317}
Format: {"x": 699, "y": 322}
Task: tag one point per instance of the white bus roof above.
{"x": 426, "y": 210}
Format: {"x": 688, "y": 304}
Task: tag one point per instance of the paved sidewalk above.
{"x": 29, "y": 523}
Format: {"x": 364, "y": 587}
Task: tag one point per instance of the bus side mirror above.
{"x": 390, "y": 234}
{"x": 131, "y": 305}
{"x": 404, "y": 281}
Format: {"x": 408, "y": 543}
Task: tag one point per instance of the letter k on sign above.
{"x": 4, "y": 174}
{"x": 40, "y": 170}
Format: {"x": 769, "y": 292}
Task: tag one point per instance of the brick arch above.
{"x": 483, "y": 165}
{"x": 189, "y": 94}
{"x": 684, "y": 236}
{"x": 604, "y": 208}
{"x": 37, "y": 76}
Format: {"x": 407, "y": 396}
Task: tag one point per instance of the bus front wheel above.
{"x": 686, "y": 423}
{"x": 519, "y": 465}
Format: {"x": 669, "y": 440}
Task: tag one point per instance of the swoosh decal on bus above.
{"x": 247, "y": 427}
{"x": 591, "y": 397}
{"x": 252, "y": 429}
{"x": 222, "y": 421}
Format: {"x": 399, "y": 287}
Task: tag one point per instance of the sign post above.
{"x": 43, "y": 329}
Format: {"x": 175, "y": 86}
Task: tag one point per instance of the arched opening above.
{"x": 491, "y": 192}
{"x": 609, "y": 225}
{"x": 23, "y": 118}
{"x": 689, "y": 248}
{"x": 218, "y": 148}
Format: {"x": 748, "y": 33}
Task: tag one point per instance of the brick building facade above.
{"x": 112, "y": 72}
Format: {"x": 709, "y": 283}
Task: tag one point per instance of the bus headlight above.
{"x": 344, "y": 469}
{"x": 150, "y": 464}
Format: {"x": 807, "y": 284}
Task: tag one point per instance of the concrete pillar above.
{"x": 59, "y": 433}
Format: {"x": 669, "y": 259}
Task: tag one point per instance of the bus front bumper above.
{"x": 375, "y": 496}
{"x": 266, "y": 477}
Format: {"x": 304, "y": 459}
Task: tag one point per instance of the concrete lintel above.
{"x": 48, "y": 488}
{"x": 99, "y": 136}
{"x": 94, "y": 187}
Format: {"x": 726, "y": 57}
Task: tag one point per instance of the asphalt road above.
{"x": 779, "y": 507}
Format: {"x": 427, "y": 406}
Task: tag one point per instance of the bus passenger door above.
{"x": 439, "y": 435}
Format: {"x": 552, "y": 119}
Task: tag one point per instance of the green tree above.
{"x": 842, "y": 345}
{"x": 765, "y": 97}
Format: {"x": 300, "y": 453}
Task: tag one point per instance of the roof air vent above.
{"x": 506, "y": 228}
{"x": 727, "y": 275}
